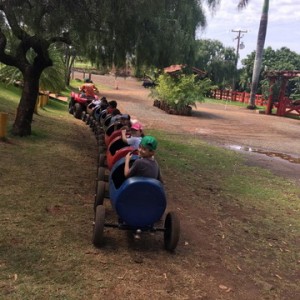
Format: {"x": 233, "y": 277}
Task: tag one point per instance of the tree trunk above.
{"x": 259, "y": 53}
{"x": 22, "y": 124}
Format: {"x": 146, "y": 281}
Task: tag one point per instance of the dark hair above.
{"x": 115, "y": 112}
{"x": 112, "y": 103}
{"x": 125, "y": 117}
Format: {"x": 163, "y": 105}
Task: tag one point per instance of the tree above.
{"x": 218, "y": 61}
{"x": 53, "y": 78}
{"x": 181, "y": 90}
{"x": 24, "y": 44}
{"x": 108, "y": 31}
{"x": 273, "y": 60}
{"x": 259, "y": 49}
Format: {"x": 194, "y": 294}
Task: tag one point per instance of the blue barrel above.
{"x": 138, "y": 201}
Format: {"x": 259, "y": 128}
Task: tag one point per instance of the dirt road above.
{"x": 214, "y": 257}
{"x": 268, "y": 141}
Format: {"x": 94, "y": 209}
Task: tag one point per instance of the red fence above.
{"x": 238, "y": 96}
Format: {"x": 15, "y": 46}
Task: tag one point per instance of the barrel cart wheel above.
{"x": 100, "y": 136}
{"x": 99, "y": 226}
{"x": 87, "y": 119}
{"x": 91, "y": 122}
{"x": 100, "y": 194}
{"x": 102, "y": 175}
{"x": 172, "y": 231}
{"x": 101, "y": 161}
{"x": 83, "y": 116}
{"x": 102, "y": 149}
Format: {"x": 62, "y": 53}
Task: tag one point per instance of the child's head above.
{"x": 147, "y": 146}
{"x": 115, "y": 112}
{"x": 136, "y": 129}
{"x": 125, "y": 120}
{"x": 112, "y": 104}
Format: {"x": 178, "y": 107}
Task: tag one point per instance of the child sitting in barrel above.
{"x": 136, "y": 134}
{"x": 146, "y": 165}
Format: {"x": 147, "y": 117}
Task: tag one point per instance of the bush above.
{"x": 181, "y": 91}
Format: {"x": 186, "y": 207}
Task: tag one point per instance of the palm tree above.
{"x": 259, "y": 49}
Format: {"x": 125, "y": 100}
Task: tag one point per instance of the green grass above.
{"x": 46, "y": 200}
{"x": 229, "y": 102}
{"x": 83, "y": 64}
{"x": 261, "y": 210}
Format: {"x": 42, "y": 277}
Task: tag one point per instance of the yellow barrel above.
{"x": 41, "y": 102}
{"x": 36, "y": 105}
{"x": 46, "y": 98}
{"x": 3, "y": 124}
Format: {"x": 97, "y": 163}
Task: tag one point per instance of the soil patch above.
{"x": 210, "y": 262}
{"x": 224, "y": 125}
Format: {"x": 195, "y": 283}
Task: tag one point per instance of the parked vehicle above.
{"x": 79, "y": 103}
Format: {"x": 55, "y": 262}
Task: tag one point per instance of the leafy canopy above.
{"x": 181, "y": 91}
{"x": 218, "y": 61}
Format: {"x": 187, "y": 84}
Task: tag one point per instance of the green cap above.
{"x": 149, "y": 142}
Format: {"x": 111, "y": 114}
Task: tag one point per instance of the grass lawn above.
{"x": 46, "y": 201}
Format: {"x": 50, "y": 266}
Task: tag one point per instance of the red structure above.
{"x": 238, "y": 96}
{"x": 284, "y": 105}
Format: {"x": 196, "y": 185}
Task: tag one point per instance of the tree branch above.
{"x": 5, "y": 58}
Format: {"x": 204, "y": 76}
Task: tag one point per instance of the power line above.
{"x": 238, "y": 38}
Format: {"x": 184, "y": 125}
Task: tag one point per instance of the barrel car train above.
{"x": 139, "y": 203}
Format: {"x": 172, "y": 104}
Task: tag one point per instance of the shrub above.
{"x": 181, "y": 91}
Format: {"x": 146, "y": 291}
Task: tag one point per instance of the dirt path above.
{"x": 268, "y": 141}
{"x": 213, "y": 259}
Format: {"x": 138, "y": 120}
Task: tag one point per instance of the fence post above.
{"x": 3, "y": 124}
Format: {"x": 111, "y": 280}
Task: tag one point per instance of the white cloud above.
{"x": 283, "y": 24}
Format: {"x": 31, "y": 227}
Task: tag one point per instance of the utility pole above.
{"x": 238, "y": 38}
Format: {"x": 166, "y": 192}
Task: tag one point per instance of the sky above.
{"x": 283, "y": 25}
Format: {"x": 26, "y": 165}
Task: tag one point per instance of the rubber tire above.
{"x": 101, "y": 137}
{"x": 98, "y": 232}
{"x": 102, "y": 149}
{"x": 77, "y": 110}
{"x": 101, "y": 143}
{"x": 101, "y": 160}
{"x": 71, "y": 106}
{"x": 101, "y": 173}
{"x": 87, "y": 119}
{"x": 100, "y": 193}
{"x": 83, "y": 116}
{"x": 91, "y": 122}
{"x": 172, "y": 231}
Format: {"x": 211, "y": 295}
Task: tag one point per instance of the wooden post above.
{"x": 270, "y": 99}
{"x": 282, "y": 105}
{"x": 3, "y": 124}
